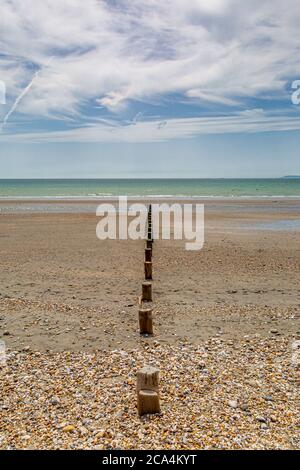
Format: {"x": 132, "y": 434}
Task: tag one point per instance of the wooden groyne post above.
{"x": 148, "y": 391}
{"x": 147, "y": 291}
{"x": 148, "y": 254}
{"x": 145, "y": 321}
{"x": 148, "y": 270}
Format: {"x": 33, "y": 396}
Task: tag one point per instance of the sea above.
{"x": 149, "y": 188}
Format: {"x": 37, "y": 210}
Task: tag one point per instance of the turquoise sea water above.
{"x": 94, "y": 188}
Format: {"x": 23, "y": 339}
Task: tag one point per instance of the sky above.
{"x": 149, "y": 88}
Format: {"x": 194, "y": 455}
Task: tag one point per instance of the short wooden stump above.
{"x": 148, "y": 391}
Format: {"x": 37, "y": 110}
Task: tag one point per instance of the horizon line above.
{"x": 151, "y": 178}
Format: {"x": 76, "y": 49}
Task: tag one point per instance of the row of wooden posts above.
{"x": 147, "y": 377}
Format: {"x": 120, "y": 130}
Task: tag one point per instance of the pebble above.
{"x": 69, "y": 428}
{"x": 96, "y": 392}
{"x": 261, "y": 419}
{"x": 55, "y": 401}
{"x": 233, "y": 403}
{"x": 82, "y": 430}
{"x": 268, "y": 398}
{"x": 244, "y": 406}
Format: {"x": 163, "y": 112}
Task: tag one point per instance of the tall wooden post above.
{"x": 148, "y": 270}
{"x": 148, "y": 254}
{"x": 147, "y": 291}
{"x": 145, "y": 321}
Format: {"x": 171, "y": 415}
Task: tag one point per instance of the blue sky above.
{"x": 149, "y": 88}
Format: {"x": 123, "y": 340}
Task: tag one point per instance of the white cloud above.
{"x": 248, "y": 121}
{"x": 111, "y": 52}
{"x": 211, "y": 97}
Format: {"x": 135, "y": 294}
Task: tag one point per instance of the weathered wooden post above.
{"x": 147, "y": 291}
{"x": 145, "y": 321}
{"x": 148, "y": 390}
{"x": 148, "y": 270}
{"x": 148, "y": 254}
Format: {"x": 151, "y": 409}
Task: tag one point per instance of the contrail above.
{"x": 21, "y": 96}
{"x": 18, "y": 99}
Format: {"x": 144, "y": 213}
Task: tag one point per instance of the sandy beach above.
{"x": 186, "y": 338}
{"x": 226, "y": 321}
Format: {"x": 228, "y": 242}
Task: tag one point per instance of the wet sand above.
{"x": 57, "y": 278}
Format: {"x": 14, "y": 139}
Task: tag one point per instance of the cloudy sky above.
{"x": 104, "y": 88}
